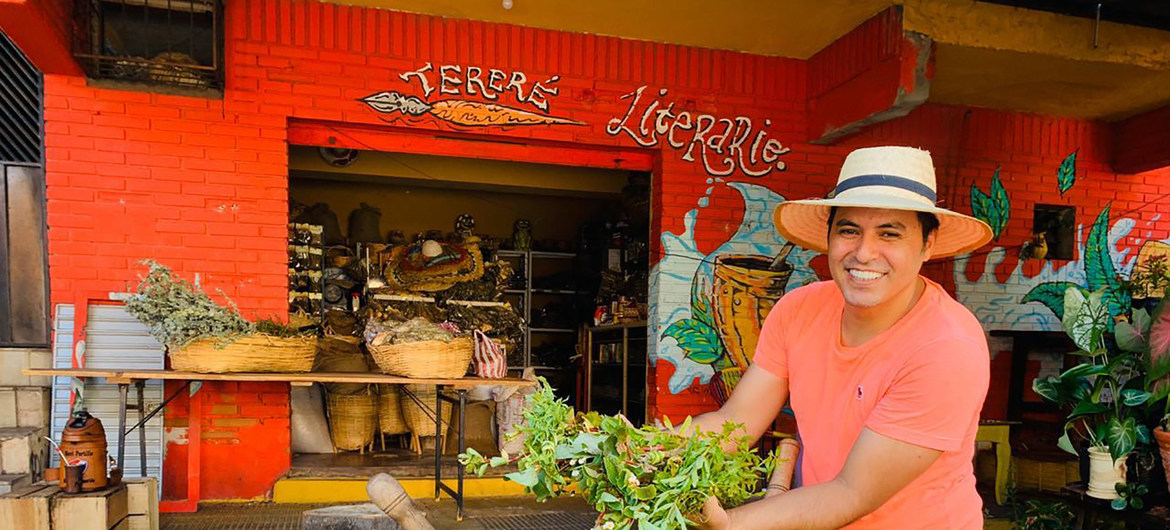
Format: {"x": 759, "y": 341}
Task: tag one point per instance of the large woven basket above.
{"x": 427, "y": 359}
{"x": 251, "y": 353}
{"x": 352, "y": 420}
{"x": 418, "y": 409}
{"x": 390, "y": 420}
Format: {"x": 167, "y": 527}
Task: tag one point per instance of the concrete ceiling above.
{"x": 988, "y": 55}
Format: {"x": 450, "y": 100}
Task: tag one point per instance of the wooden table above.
{"x": 137, "y": 377}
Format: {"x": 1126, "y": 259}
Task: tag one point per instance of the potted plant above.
{"x": 1149, "y": 337}
{"x": 1105, "y": 394}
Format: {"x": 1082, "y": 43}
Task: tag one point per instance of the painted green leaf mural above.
{"x": 699, "y": 340}
{"x": 1066, "y": 176}
{"x": 1099, "y": 269}
{"x": 1050, "y": 294}
{"x": 993, "y": 209}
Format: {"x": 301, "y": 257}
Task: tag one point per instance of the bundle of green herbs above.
{"x": 645, "y": 477}
{"x": 178, "y": 312}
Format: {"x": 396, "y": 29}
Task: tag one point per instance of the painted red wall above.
{"x": 201, "y": 183}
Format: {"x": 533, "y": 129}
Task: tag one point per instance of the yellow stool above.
{"x": 997, "y": 433}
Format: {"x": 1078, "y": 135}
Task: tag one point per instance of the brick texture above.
{"x": 201, "y": 184}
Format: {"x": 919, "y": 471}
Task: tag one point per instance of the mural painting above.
{"x": 709, "y": 307}
{"x": 453, "y": 80}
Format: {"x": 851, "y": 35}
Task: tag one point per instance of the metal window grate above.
{"x": 540, "y": 521}
{"x": 161, "y": 42}
{"x": 21, "y": 97}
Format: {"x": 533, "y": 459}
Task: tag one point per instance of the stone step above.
{"x": 11, "y": 482}
{"x": 353, "y": 517}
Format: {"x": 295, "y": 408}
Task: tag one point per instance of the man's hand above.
{"x": 713, "y": 516}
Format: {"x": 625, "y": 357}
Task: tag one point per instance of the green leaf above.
{"x": 1133, "y": 397}
{"x": 1118, "y": 503}
{"x": 497, "y": 461}
{"x": 1000, "y": 204}
{"x": 1066, "y": 444}
{"x": 1137, "y": 503}
{"x": 1128, "y": 337}
{"x": 699, "y": 340}
{"x": 1143, "y": 434}
{"x": 1121, "y": 436}
{"x": 1099, "y": 271}
{"x": 607, "y": 497}
{"x": 1087, "y": 408}
{"x": 523, "y": 478}
{"x": 982, "y": 208}
{"x": 1066, "y": 176}
{"x": 645, "y": 493}
{"x": 1051, "y": 294}
{"x": 1085, "y": 319}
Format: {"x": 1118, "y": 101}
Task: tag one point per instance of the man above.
{"x": 885, "y": 371}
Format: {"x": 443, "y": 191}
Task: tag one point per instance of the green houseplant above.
{"x": 1149, "y": 337}
{"x": 1105, "y": 393}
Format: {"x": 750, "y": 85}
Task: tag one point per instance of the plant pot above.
{"x": 1163, "y": 439}
{"x": 1104, "y": 473}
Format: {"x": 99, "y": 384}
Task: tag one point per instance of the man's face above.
{"x": 875, "y": 255}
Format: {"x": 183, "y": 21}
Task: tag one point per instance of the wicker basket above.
{"x": 251, "y": 353}
{"x": 427, "y": 359}
{"x": 390, "y": 420}
{"x": 352, "y": 420}
{"x": 418, "y": 409}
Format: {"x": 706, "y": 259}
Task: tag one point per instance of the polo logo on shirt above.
{"x": 860, "y": 393}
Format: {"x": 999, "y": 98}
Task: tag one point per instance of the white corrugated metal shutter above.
{"x": 114, "y": 340}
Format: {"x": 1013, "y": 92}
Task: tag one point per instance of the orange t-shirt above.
{"x": 922, "y": 381}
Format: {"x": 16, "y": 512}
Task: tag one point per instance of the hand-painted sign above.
{"x": 455, "y": 80}
{"x": 724, "y": 145}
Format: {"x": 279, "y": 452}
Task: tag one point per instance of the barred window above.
{"x": 159, "y": 42}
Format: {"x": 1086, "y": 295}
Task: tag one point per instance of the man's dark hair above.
{"x": 928, "y": 221}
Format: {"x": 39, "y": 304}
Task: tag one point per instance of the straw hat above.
{"x": 895, "y": 178}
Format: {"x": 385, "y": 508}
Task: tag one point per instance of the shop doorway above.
{"x": 563, "y": 288}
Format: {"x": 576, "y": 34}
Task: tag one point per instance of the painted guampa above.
{"x": 713, "y": 328}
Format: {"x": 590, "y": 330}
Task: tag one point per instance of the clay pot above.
{"x": 1163, "y": 439}
{"x": 1104, "y": 473}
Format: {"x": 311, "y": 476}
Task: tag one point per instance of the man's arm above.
{"x": 877, "y": 467}
{"x": 755, "y": 402}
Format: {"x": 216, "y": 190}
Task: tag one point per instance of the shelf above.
{"x": 624, "y": 325}
{"x": 544, "y": 368}
{"x": 536, "y": 254}
{"x": 556, "y": 291}
{"x": 551, "y": 330}
{"x": 557, "y": 255}
{"x": 513, "y": 291}
{"x": 618, "y": 365}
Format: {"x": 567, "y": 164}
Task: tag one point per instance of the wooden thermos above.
{"x": 84, "y": 439}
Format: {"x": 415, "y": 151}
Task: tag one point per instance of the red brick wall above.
{"x": 201, "y": 184}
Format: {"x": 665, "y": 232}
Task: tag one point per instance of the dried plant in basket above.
{"x": 178, "y": 312}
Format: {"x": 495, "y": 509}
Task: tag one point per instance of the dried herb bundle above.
{"x": 656, "y": 480}
{"x": 179, "y": 312}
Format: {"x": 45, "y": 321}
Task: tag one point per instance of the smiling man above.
{"x": 885, "y": 371}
